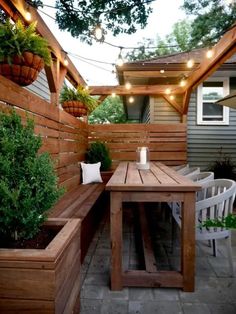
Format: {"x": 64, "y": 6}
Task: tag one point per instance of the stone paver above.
{"x": 215, "y": 290}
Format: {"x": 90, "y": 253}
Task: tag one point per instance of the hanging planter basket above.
{"x": 75, "y": 108}
{"x": 24, "y": 69}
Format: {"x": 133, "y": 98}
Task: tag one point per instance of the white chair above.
{"x": 188, "y": 171}
{"x": 214, "y": 202}
{"x": 176, "y": 168}
{"x": 201, "y": 177}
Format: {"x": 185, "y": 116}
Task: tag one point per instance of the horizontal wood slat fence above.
{"x": 167, "y": 142}
{"x": 64, "y": 137}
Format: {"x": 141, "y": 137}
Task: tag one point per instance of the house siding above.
{"x": 163, "y": 112}
{"x": 40, "y": 86}
{"x": 205, "y": 141}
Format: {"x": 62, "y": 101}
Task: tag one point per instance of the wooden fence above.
{"x": 64, "y": 137}
{"x": 167, "y": 142}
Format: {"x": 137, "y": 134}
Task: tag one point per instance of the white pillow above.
{"x": 91, "y": 172}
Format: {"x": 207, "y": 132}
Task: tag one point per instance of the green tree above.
{"x": 81, "y": 17}
{"x": 178, "y": 40}
{"x": 211, "y": 20}
{"x": 110, "y": 111}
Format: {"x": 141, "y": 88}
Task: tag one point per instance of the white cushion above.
{"x": 91, "y": 172}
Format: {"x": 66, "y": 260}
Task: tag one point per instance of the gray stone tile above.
{"x": 114, "y": 307}
{"x": 92, "y": 292}
{"x": 141, "y": 294}
{"x": 220, "y": 265}
{"x": 222, "y": 308}
{"x": 152, "y": 307}
{"x": 115, "y": 295}
{"x": 196, "y": 308}
{"x": 90, "y": 306}
{"x": 203, "y": 268}
{"x": 97, "y": 279}
{"x": 99, "y": 264}
{"x": 207, "y": 290}
{"x": 166, "y": 294}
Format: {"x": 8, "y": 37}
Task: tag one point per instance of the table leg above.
{"x": 188, "y": 241}
{"x": 116, "y": 240}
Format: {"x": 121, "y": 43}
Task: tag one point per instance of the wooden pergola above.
{"x": 57, "y": 72}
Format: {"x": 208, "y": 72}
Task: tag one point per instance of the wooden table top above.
{"x": 158, "y": 178}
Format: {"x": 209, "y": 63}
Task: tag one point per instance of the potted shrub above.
{"x": 77, "y": 102}
{"x": 39, "y": 258}
{"x": 23, "y": 52}
{"x": 98, "y": 151}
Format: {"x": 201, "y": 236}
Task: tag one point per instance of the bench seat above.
{"x": 85, "y": 202}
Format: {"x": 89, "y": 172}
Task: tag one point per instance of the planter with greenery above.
{"x": 77, "y": 102}
{"x": 23, "y": 52}
{"x": 44, "y": 255}
{"x": 98, "y": 151}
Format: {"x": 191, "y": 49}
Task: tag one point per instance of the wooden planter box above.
{"x": 43, "y": 281}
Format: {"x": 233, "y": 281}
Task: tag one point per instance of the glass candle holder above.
{"x": 142, "y": 159}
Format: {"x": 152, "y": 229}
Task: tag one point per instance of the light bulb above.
{"x": 183, "y": 82}
{"x": 28, "y": 16}
{"x": 190, "y": 63}
{"x": 120, "y": 61}
{"x": 66, "y": 62}
{"x": 172, "y": 97}
{"x": 131, "y": 99}
{"x": 168, "y": 91}
{"x": 86, "y": 87}
{"x": 162, "y": 71}
{"x": 113, "y": 95}
{"x": 98, "y": 32}
{"x": 209, "y": 53}
{"x": 127, "y": 85}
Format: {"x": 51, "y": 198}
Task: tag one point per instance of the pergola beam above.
{"x": 135, "y": 90}
{"x": 222, "y": 51}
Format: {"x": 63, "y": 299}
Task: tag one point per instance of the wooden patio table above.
{"x": 158, "y": 184}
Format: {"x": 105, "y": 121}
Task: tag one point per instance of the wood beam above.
{"x": 135, "y": 90}
{"x": 222, "y": 51}
{"x": 186, "y": 99}
{"x": 102, "y": 98}
{"x": 173, "y": 103}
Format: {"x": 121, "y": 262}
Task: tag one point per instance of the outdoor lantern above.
{"x": 142, "y": 158}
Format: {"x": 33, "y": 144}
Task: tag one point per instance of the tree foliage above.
{"x": 211, "y": 20}
{"x": 178, "y": 40}
{"x": 110, "y": 111}
{"x": 82, "y": 16}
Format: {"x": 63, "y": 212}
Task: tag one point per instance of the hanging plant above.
{"x": 23, "y": 52}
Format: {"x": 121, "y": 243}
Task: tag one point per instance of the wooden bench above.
{"x": 86, "y": 202}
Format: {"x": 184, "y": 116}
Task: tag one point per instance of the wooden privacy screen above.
{"x": 167, "y": 142}
{"x": 64, "y": 137}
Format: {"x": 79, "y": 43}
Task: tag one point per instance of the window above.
{"x": 209, "y": 92}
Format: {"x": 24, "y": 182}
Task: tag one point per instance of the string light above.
{"x": 190, "y": 63}
{"x": 183, "y": 81}
{"x": 120, "y": 60}
{"x": 65, "y": 62}
{"x": 86, "y": 87}
{"x": 28, "y": 15}
{"x": 131, "y": 99}
{"x": 162, "y": 71}
{"x": 168, "y": 91}
{"x": 172, "y": 97}
{"x": 113, "y": 94}
{"x": 209, "y": 53}
{"x": 128, "y": 85}
{"x": 99, "y": 33}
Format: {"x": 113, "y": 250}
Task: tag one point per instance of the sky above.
{"x": 160, "y": 22}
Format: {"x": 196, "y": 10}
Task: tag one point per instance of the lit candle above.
{"x": 143, "y": 156}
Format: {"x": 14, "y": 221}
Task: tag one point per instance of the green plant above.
{"x": 28, "y": 184}
{"x": 80, "y": 94}
{"x": 99, "y": 152}
{"x": 15, "y": 39}
{"x": 228, "y": 222}
{"x": 223, "y": 167}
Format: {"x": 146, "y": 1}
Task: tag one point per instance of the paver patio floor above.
{"x": 215, "y": 290}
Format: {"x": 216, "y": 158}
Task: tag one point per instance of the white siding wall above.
{"x": 40, "y": 86}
